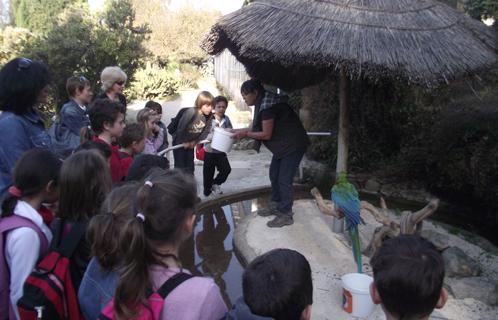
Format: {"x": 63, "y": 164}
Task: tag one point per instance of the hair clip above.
{"x": 15, "y": 191}
{"x": 149, "y": 183}
{"x": 140, "y": 216}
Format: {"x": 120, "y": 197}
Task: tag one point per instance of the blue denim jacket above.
{"x": 73, "y": 118}
{"x": 65, "y": 132}
{"x": 96, "y": 290}
{"x": 18, "y": 133}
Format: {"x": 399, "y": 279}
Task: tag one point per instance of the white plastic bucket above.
{"x": 356, "y": 294}
{"x": 222, "y": 140}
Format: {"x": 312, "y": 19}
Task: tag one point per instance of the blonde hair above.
{"x": 144, "y": 115}
{"x": 111, "y": 75}
{"x": 205, "y": 97}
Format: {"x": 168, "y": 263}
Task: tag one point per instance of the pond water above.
{"x": 209, "y": 252}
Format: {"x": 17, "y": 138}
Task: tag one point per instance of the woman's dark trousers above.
{"x": 282, "y": 172}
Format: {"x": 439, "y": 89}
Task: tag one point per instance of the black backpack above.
{"x": 173, "y": 125}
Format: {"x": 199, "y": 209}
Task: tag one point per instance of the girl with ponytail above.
{"x": 36, "y": 180}
{"x": 100, "y": 279}
{"x": 163, "y": 219}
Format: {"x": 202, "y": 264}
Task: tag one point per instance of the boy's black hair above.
{"x": 252, "y": 85}
{"x": 102, "y": 111}
{"x": 102, "y": 148}
{"x": 154, "y": 106}
{"x": 143, "y": 164}
{"x": 408, "y": 274}
{"x": 220, "y": 99}
{"x": 21, "y": 81}
{"x": 278, "y": 284}
{"x": 132, "y": 133}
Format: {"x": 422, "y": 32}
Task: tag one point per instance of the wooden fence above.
{"x": 230, "y": 74}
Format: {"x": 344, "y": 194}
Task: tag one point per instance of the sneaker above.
{"x": 280, "y": 221}
{"x": 217, "y": 189}
{"x": 266, "y": 212}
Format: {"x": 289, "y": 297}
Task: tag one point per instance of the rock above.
{"x": 372, "y": 185}
{"x": 438, "y": 239}
{"x": 459, "y": 264}
{"x": 482, "y": 289}
{"x": 317, "y": 174}
{"x": 244, "y": 144}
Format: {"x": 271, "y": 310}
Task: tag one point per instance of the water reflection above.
{"x": 209, "y": 252}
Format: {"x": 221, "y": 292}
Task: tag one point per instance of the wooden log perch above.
{"x": 410, "y": 222}
{"x": 325, "y": 207}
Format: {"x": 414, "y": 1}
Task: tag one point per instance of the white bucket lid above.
{"x": 223, "y": 131}
{"x": 358, "y": 283}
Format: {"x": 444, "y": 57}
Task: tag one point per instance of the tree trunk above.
{"x": 344, "y": 108}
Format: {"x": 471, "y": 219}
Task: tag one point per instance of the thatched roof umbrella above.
{"x": 297, "y": 43}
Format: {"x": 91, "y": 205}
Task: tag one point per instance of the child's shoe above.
{"x": 217, "y": 189}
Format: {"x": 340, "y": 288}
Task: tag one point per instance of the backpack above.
{"x": 199, "y": 152}
{"x": 155, "y": 300}
{"x": 8, "y": 224}
{"x": 173, "y": 125}
{"x": 48, "y": 292}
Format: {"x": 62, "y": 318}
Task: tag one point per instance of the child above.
{"x": 103, "y": 149}
{"x": 84, "y": 183}
{"x": 154, "y": 135}
{"x": 163, "y": 219}
{"x": 107, "y": 124}
{"x": 159, "y": 110}
{"x": 276, "y": 285}
{"x": 214, "y": 159}
{"x": 101, "y": 278}
{"x": 73, "y": 116}
{"x": 132, "y": 142}
{"x": 190, "y": 126}
{"x": 36, "y": 177}
{"x": 144, "y": 163}
{"x": 408, "y": 276}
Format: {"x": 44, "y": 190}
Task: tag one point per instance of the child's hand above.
{"x": 189, "y": 145}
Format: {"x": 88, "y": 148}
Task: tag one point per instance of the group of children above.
{"x": 102, "y": 126}
{"x": 127, "y": 266}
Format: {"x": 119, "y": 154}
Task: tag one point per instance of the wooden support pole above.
{"x": 344, "y": 109}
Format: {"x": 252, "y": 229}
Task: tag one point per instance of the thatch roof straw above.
{"x": 294, "y": 43}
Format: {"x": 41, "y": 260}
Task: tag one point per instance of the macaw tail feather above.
{"x": 355, "y": 240}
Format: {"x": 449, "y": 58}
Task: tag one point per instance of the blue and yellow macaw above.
{"x": 347, "y": 202}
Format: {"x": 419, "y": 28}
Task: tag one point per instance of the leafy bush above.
{"x": 12, "y": 41}
{"x": 463, "y": 161}
{"x": 176, "y": 35}
{"x": 154, "y": 82}
{"x": 84, "y": 44}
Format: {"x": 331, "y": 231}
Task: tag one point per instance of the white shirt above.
{"x": 22, "y": 248}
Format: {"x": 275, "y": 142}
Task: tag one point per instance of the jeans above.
{"x": 213, "y": 161}
{"x": 184, "y": 159}
{"x": 282, "y": 172}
